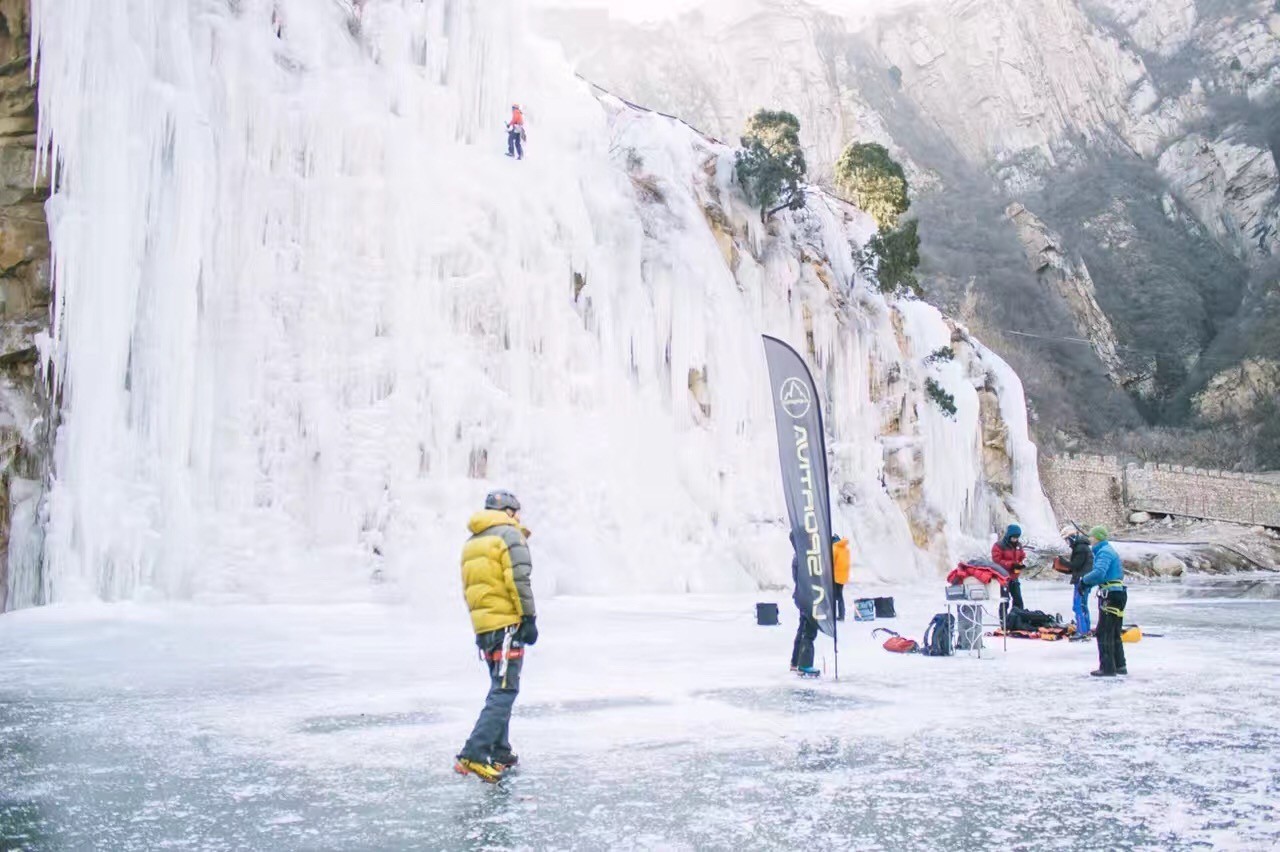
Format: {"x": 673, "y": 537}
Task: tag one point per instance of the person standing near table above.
{"x": 1009, "y": 555}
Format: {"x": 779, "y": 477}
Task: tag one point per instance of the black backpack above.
{"x": 1029, "y": 619}
{"x": 937, "y": 636}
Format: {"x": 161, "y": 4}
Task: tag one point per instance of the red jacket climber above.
{"x": 515, "y": 133}
{"x": 1008, "y": 554}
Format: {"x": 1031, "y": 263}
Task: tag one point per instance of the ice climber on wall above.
{"x": 496, "y": 580}
{"x": 515, "y": 133}
{"x": 1108, "y": 576}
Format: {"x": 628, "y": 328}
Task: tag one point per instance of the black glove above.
{"x": 527, "y": 632}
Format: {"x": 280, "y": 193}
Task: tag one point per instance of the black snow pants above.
{"x": 503, "y": 656}
{"x": 1111, "y": 603}
{"x": 802, "y": 648}
{"x": 1015, "y": 593}
{"x": 1010, "y": 598}
{"x": 839, "y": 602}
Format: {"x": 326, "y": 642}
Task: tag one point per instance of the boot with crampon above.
{"x": 485, "y": 770}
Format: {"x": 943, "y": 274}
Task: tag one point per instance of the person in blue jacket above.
{"x": 1108, "y": 576}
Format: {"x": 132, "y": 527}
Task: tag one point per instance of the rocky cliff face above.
{"x": 1009, "y": 83}
{"x": 1231, "y": 394}
{"x": 1231, "y": 185}
{"x": 24, "y": 299}
{"x": 1069, "y": 277}
{"x": 1141, "y": 134}
{"x": 1158, "y": 26}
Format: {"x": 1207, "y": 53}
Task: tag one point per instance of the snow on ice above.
{"x": 661, "y": 722}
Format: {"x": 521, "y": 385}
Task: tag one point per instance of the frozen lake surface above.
{"x": 644, "y": 723}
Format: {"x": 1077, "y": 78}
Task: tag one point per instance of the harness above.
{"x": 504, "y": 654}
{"x": 1104, "y": 594}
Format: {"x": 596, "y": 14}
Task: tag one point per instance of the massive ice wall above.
{"x": 308, "y": 313}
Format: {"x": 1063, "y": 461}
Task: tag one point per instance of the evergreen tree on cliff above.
{"x": 770, "y": 167}
{"x": 874, "y": 181}
{"x": 898, "y": 252}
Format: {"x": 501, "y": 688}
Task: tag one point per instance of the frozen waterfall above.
{"x": 308, "y": 313}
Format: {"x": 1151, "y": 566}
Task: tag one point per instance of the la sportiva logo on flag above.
{"x": 795, "y": 398}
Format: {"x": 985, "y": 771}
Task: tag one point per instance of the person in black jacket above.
{"x": 802, "y": 648}
{"x": 1079, "y": 563}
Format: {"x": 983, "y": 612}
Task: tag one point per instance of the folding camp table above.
{"x": 971, "y": 615}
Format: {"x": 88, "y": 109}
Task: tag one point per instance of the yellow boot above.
{"x": 486, "y": 772}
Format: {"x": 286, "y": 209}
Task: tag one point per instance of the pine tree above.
{"x": 874, "y": 181}
{"x": 770, "y": 167}
{"x": 898, "y": 252}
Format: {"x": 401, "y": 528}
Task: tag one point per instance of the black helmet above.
{"x": 501, "y": 500}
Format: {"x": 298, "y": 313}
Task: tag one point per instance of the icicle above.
{"x": 300, "y": 289}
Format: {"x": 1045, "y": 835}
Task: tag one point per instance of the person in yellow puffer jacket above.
{"x": 497, "y": 585}
{"x": 840, "y": 571}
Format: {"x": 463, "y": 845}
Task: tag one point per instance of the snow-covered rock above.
{"x": 308, "y": 314}
{"x": 1157, "y": 26}
{"x": 1154, "y": 120}
{"x": 1246, "y": 51}
{"x": 1232, "y": 186}
{"x": 1167, "y": 565}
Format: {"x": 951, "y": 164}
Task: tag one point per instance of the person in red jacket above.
{"x": 515, "y": 133}
{"x": 1008, "y": 554}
